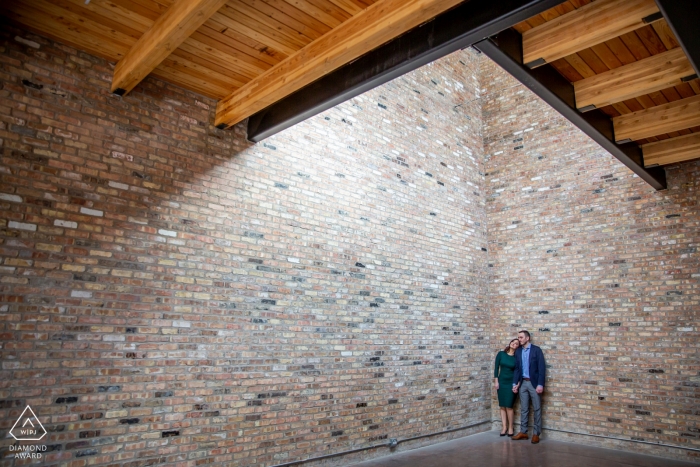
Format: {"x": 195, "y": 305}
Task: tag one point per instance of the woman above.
{"x": 503, "y": 381}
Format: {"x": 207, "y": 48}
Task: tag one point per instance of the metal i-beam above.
{"x": 506, "y": 50}
{"x": 455, "y": 29}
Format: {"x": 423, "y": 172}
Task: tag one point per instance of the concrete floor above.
{"x": 488, "y": 449}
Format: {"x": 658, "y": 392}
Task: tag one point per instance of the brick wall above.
{"x": 171, "y": 294}
{"x": 602, "y": 269}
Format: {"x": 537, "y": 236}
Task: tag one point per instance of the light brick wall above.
{"x": 602, "y": 269}
{"x": 171, "y": 294}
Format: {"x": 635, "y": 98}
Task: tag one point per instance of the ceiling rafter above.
{"x": 358, "y": 35}
{"x": 172, "y": 28}
{"x": 642, "y": 77}
{"x": 666, "y": 118}
{"x": 670, "y": 151}
{"x": 585, "y": 27}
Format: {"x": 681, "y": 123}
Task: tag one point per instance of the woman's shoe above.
{"x": 509, "y": 434}
{"x": 503, "y": 434}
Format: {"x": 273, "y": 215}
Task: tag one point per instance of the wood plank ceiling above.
{"x": 621, "y": 55}
{"x": 636, "y": 76}
{"x": 236, "y": 44}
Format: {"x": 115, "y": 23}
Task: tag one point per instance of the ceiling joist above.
{"x": 626, "y": 82}
{"x": 172, "y": 28}
{"x": 666, "y": 118}
{"x": 670, "y": 151}
{"x": 358, "y": 35}
{"x": 585, "y": 27}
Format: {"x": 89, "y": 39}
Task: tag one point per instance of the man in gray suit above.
{"x": 528, "y": 378}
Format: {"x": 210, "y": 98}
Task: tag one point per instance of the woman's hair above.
{"x": 508, "y": 346}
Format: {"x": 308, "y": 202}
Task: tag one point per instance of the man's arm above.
{"x": 518, "y": 370}
{"x": 541, "y": 368}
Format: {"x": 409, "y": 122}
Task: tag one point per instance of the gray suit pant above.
{"x": 528, "y": 393}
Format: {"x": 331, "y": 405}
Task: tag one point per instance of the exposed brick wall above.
{"x": 601, "y": 268}
{"x": 170, "y": 294}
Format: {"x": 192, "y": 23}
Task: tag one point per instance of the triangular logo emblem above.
{"x": 28, "y": 427}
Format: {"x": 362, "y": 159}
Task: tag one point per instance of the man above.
{"x": 528, "y": 378}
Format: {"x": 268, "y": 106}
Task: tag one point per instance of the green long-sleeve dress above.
{"x": 503, "y": 370}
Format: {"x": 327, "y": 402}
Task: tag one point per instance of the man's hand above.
{"x": 539, "y": 389}
{"x": 515, "y": 388}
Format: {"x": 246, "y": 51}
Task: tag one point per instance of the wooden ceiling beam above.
{"x": 178, "y": 22}
{"x": 669, "y": 151}
{"x": 585, "y": 27}
{"x": 626, "y": 82}
{"x": 448, "y": 32}
{"x": 365, "y": 31}
{"x": 666, "y": 118}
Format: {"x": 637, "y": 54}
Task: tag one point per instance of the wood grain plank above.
{"x": 665, "y": 118}
{"x": 219, "y": 32}
{"x": 606, "y": 56}
{"x": 618, "y": 47}
{"x": 117, "y": 13}
{"x": 298, "y": 15}
{"x": 584, "y": 27}
{"x": 635, "y": 45}
{"x": 363, "y": 32}
{"x": 258, "y": 32}
{"x": 96, "y": 31}
{"x": 651, "y": 40}
{"x": 316, "y": 13}
{"x": 146, "y": 8}
{"x": 670, "y": 151}
{"x": 593, "y": 61}
{"x": 651, "y": 74}
{"x": 187, "y": 81}
{"x": 281, "y": 17}
{"x": 232, "y": 80}
{"x": 280, "y": 30}
{"x": 330, "y": 9}
{"x": 63, "y": 30}
{"x": 216, "y": 60}
{"x": 663, "y": 30}
{"x": 348, "y": 6}
{"x": 566, "y": 70}
{"x": 579, "y": 65}
{"x": 245, "y": 64}
{"x": 166, "y": 34}
{"x": 695, "y": 85}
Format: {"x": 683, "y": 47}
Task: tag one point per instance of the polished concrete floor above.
{"x": 489, "y": 449}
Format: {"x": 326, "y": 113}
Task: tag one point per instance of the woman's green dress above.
{"x": 503, "y": 370}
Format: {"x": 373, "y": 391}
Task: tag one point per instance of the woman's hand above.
{"x": 496, "y": 385}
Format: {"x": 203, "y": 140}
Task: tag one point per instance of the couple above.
{"x": 520, "y": 368}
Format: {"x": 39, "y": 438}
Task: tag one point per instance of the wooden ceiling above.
{"x": 621, "y": 55}
{"x": 636, "y": 75}
{"x": 247, "y": 53}
{"x": 237, "y": 43}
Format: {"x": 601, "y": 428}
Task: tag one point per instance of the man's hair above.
{"x": 526, "y": 333}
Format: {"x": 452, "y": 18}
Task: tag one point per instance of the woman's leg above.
{"x": 504, "y": 420}
{"x": 509, "y": 416}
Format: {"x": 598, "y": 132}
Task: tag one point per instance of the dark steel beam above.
{"x": 506, "y": 50}
{"x": 682, "y": 16}
{"x": 456, "y": 29}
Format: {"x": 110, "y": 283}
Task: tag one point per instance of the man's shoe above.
{"x": 535, "y": 439}
{"x": 520, "y": 436}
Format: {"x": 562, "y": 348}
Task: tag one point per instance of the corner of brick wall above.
{"x": 601, "y": 268}
{"x": 172, "y": 294}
